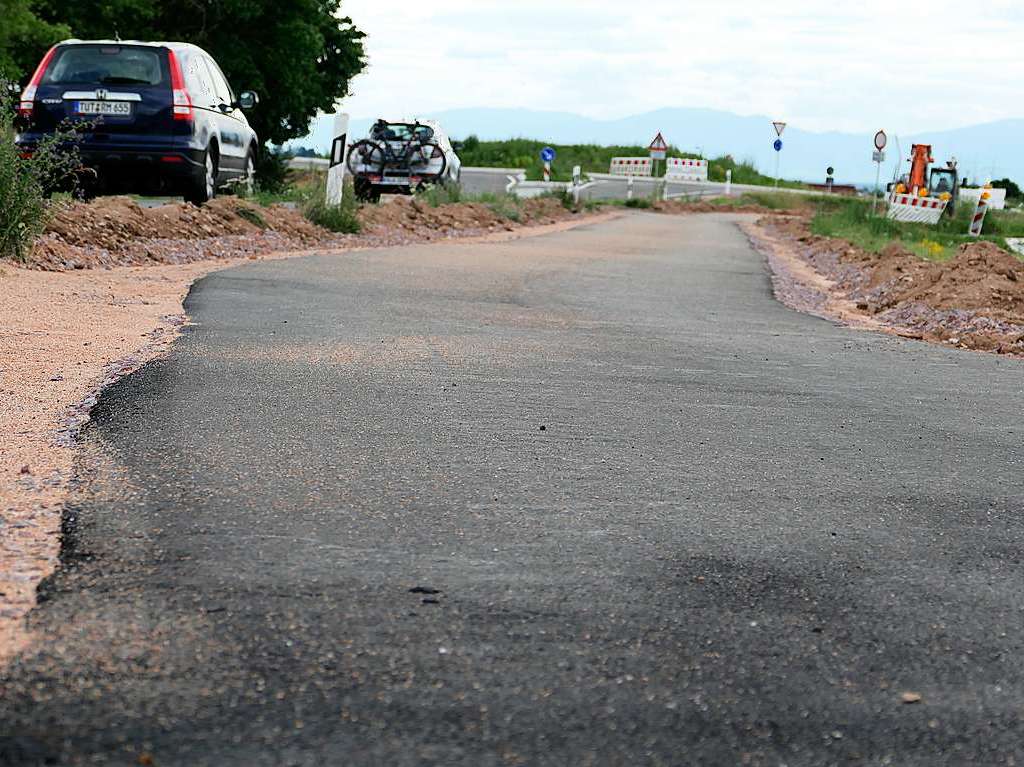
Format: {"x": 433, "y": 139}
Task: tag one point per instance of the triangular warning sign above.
{"x": 658, "y": 145}
{"x": 779, "y": 127}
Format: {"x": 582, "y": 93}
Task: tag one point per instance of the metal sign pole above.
{"x": 878, "y": 180}
{"x": 881, "y": 141}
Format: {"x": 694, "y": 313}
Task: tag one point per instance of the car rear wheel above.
{"x": 203, "y": 188}
{"x": 247, "y": 184}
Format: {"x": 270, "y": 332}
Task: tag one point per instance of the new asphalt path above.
{"x": 589, "y": 498}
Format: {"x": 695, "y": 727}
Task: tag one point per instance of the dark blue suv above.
{"x": 163, "y": 118}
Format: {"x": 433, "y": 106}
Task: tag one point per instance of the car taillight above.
{"x": 28, "y": 97}
{"x": 179, "y": 93}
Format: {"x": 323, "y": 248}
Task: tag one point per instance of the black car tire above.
{"x": 247, "y": 183}
{"x": 365, "y": 190}
{"x": 203, "y": 188}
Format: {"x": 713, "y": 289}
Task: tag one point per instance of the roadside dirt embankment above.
{"x": 973, "y": 301}
{"x": 102, "y": 296}
{"x": 117, "y": 231}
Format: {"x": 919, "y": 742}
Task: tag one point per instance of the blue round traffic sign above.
{"x": 547, "y": 154}
{"x": 778, "y": 145}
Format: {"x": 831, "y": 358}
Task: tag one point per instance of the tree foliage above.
{"x": 1012, "y": 190}
{"x": 23, "y": 38}
{"x": 300, "y": 55}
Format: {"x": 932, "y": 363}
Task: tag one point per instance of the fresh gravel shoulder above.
{"x": 974, "y": 301}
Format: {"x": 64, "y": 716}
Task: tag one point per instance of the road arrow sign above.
{"x": 778, "y": 145}
{"x": 547, "y": 154}
{"x": 779, "y": 128}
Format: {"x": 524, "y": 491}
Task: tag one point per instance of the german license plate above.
{"x": 113, "y": 108}
{"x": 395, "y": 180}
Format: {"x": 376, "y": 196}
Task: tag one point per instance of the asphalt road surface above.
{"x": 591, "y": 498}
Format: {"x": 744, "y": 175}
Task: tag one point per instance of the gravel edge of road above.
{"x": 798, "y": 284}
{"x": 46, "y": 411}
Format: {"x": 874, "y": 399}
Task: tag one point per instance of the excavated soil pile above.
{"x": 418, "y": 219}
{"x": 116, "y": 231}
{"x": 702, "y": 206}
{"x": 975, "y": 300}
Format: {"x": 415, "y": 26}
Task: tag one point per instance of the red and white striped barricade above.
{"x": 631, "y": 166}
{"x": 680, "y": 169}
{"x": 912, "y": 209}
{"x": 978, "y": 219}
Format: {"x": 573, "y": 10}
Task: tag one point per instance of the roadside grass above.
{"x": 852, "y": 220}
{"x": 443, "y": 194}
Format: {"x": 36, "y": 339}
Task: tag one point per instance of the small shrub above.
{"x": 27, "y": 181}
{"x": 564, "y": 196}
{"x": 506, "y": 206}
{"x": 342, "y": 218}
{"x": 272, "y": 170}
{"x": 437, "y": 195}
{"x": 641, "y": 203}
{"x": 252, "y": 215}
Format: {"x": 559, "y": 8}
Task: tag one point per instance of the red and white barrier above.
{"x": 978, "y": 219}
{"x": 916, "y": 210}
{"x": 680, "y": 169}
{"x": 631, "y": 166}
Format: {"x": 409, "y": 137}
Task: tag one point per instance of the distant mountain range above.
{"x": 983, "y": 150}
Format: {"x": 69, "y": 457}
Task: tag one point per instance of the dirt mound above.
{"x": 975, "y": 300}
{"x": 117, "y": 231}
{"x": 702, "y": 206}
{"x": 412, "y": 216}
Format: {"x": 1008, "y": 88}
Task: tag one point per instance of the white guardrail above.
{"x": 632, "y": 177}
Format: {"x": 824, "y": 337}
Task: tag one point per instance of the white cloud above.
{"x": 911, "y": 67}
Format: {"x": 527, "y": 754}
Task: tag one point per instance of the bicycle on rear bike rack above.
{"x": 397, "y": 158}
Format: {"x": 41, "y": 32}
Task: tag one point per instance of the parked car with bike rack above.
{"x": 401, "y": 157}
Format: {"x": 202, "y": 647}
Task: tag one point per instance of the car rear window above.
{"x": 106, "y": 65}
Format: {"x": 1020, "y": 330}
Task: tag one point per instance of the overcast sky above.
{"x": 849, "y": 66}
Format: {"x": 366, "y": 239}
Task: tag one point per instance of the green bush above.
{"x": 272, "y": 170}
{"x": 506, "y": 206}
{"x": 342, "y": 218}
{"x": 638, "y": 202}
{"x": 437, "y": 195}
{"x": 27, "y": 180}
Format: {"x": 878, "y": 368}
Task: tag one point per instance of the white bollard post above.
{"x": 728, "y": 183}
{"x": 339, "y": 153}
{"x": 577, "y": 177}
{"x": 629, "y": 187}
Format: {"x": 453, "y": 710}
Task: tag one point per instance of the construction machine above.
{"x": 924, "y": 194}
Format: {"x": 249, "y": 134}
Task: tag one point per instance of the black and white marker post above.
{"x": 339, "y": 151}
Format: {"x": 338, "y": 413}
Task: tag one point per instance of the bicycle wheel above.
{"x": 365, "y": 157}
{"x": 428, "y": 160}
